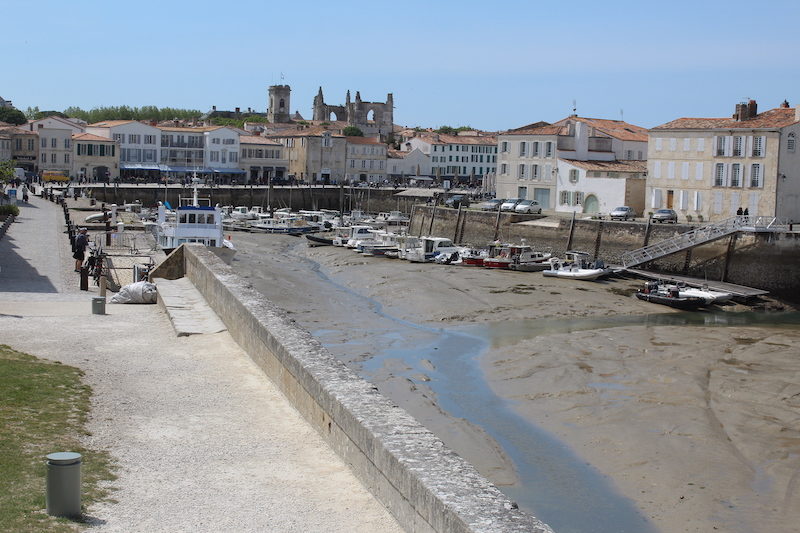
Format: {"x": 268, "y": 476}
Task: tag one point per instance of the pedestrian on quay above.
{"x": 79, "y": 250}
{"x": 739, "y": 212}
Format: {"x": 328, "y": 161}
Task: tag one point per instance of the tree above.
{"x": 6, "y": 171}
{"x": 44, "y": 114}
{"x": 449, "y": 130}
{"x": 31, "y": 112}
{"x": 352, "y": 131}
{"x": 12, "y": 116}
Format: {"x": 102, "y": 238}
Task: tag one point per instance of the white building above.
{"x": 529, "y": 166}
{"x": 55, "y": 142}
{"x": 600, "y": 186}
{"x": 403, "y": 165}
{"x": 139, "y": 150}
{"x": 457, "y": 156}
{"x": 222, "y": 153}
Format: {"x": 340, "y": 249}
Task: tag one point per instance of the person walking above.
{"x": 79, "y": 254}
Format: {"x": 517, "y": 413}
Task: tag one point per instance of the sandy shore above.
{"x": 698, "y": 425}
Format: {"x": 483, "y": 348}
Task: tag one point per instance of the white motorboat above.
{"x": 707, "y": 295}
{"x": 582, "y": 270}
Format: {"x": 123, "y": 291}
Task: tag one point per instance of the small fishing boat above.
{"x": 317, "y": 240}
{"x": 671, "y": 297}
{"x": 429, "y": 248}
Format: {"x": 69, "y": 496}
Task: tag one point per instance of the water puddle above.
{"x": 555, "y": 484}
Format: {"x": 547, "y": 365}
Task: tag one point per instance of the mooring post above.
{"x": 433, "y": 217}
{"x": 728, "y": 254}
{"x": 458, "y": 219}
{"x": 646, "y": 233}
{"x": 497, "y": 224}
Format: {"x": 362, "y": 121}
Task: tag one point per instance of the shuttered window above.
{"x": 657, "y": 169}
{"x": 685, "y": 170}
{"x": 656, "y": 199}
{"x": 698, "y": 171}
{"x": 719, "y": 175}
{"x": 698, "y": 200}
{"x": 671, "y": 170}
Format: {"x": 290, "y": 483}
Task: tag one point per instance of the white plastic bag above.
{"x": 141, "y": 292}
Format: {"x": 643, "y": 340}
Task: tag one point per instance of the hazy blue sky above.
{"x": 492, "y": 65}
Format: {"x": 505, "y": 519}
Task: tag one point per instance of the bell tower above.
{"x": 278, "y": 109}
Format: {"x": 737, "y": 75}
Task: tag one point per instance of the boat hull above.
{"x": 686, "y": 303}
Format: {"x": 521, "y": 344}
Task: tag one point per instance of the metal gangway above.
{"x": 701, "y": 235}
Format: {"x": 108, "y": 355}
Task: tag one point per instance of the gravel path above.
{"x": 202, "y": 439}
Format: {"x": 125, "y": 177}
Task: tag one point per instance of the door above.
{"x": 670, "y": 196}
{"x": 543, "y": 197}
{"x": 522, "y": 193}
{"x": 591, "y": 204}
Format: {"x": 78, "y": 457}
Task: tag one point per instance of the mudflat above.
{"x": 698, "y": 425}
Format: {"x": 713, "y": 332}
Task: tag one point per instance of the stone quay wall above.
{"x": 296, "y": 198}
{"x": 764, "y": 260}
{"x": 425, "y": 485}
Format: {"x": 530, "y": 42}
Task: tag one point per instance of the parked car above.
{"x": 457, "y": 200}
{"x": 622, "y": 213}
{"x": 491, "y": 205}
{"x": 664, "y": 215}
{"x": 528, "y": 206}
{"x": 509, "y": 204}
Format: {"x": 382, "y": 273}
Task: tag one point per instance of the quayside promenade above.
{"x": 201, "y": 439}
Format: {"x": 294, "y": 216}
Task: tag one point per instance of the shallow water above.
{"x": 555, "y": 484}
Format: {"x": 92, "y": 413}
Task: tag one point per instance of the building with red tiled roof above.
{"x": 366, "y": 160}
{"x": 711, "y": 168}
{"x": 263, "y": 159}
{"x": 95, "y": 157}
{"x": 24, "y": 146}
{"x": 540, "y": 161}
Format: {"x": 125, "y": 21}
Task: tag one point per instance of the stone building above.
{"x": 709, "y": 168}
{"x": 372, "y": 118}
{"x": 24, "y": 147}
{"x": 95, "y": 158}
{"x": 366, "y": 160}
{"x": 279, "y": 104}
{"x": 263, "y": 159}
{"x": 315, "y": 153}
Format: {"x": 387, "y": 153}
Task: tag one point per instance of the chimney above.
{"x": 237, "y": 110}
{"x": 741, "y": 112}
{"x": 752, "y": 109}
{"x": 213, "y": 108}
{"x": 785, "y": 104}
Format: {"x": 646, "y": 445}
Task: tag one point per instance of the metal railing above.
{"x": 700, "y": 235}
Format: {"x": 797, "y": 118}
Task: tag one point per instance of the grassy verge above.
{"x": 43, "y": 409}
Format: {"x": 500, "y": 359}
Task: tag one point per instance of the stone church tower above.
{"x": 278, "y": 109}
{"x": 373, "y": 118}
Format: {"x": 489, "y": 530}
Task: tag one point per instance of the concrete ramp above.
{"x": 186, "y": 308}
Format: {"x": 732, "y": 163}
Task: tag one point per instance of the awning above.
{"x": 228, "y": 171}
{"x": 420, "y": 193}
{"x": 140, "y": 166}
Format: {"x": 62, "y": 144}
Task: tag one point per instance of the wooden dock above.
{"x": 739, "y": 291}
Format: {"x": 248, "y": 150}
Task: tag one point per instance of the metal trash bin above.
{"x": 98, "y": 305}
{"x": 63, "y": 495}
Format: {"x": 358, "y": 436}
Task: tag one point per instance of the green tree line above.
{"x": 99, "y": 114}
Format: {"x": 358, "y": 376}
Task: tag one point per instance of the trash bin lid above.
{"x": 64, "y": 458}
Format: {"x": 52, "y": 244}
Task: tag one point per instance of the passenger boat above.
{"x": 671, "y": 297}
{"x": 194, "y": 221}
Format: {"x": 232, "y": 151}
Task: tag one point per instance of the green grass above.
{"x": 43, "y": 409}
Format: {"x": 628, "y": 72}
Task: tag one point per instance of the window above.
{"x": 120, "y": 137}
{"x": 719, "y": 174}
{"x": 536, "y": 149}
{"x": 149, "y": 139}
{"x": 503, "y": 168}
{"x": 738, "y": 150}
{"x": 148, "y": 155}
{"x": 66, "y": 144}
{"x": 755, "y": 175}
{"x": 522, "y": 148}
{"x": 521, "y": 171}
{"x": 44, "y": 142}
{"x": 701, "y": 145}
{"x": 52, "y": 158}
{"x": 563, "y": 197}
{"x": 53, "y": 143}
{"x": 698, "y": 200}
{"x": 685, "y": 170}
{"x": 327, "y": 142}
{"x": 758, "y": 146}
{"x": 790, "y": 142}
{"x": 134, "y": 138}
{"x": 215, "y": 140}
{"x": 504, "y": 146}
{"x": 66, "y": 158}
{"x": 535, "y": 172}
{"x": 573, "y": 175}
{"x": 548, "y": 150}
{"x": 44, "y": 158}
{"x": 673, "y": 144}
{"x": 659, "y": 144}
{"x": 671, "y": 170}
{"x": 228, "y": 141}
{"x": 736, "y": 175}
{"x": 687, "y": 144}
{"x": 657, "y": 169}
{"x": 214, "y": 155}
{"x": 698, "y": 171}
{"x": 233, "y": 157}
{"x": 30, "y": 144}
{"x": 628, "y": 154}
{"x": 720, "y": 146}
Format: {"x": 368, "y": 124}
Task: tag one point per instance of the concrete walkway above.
{"x": 202, "y": 440}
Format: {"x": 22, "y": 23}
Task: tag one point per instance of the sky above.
{"x": 489, "y": 65}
